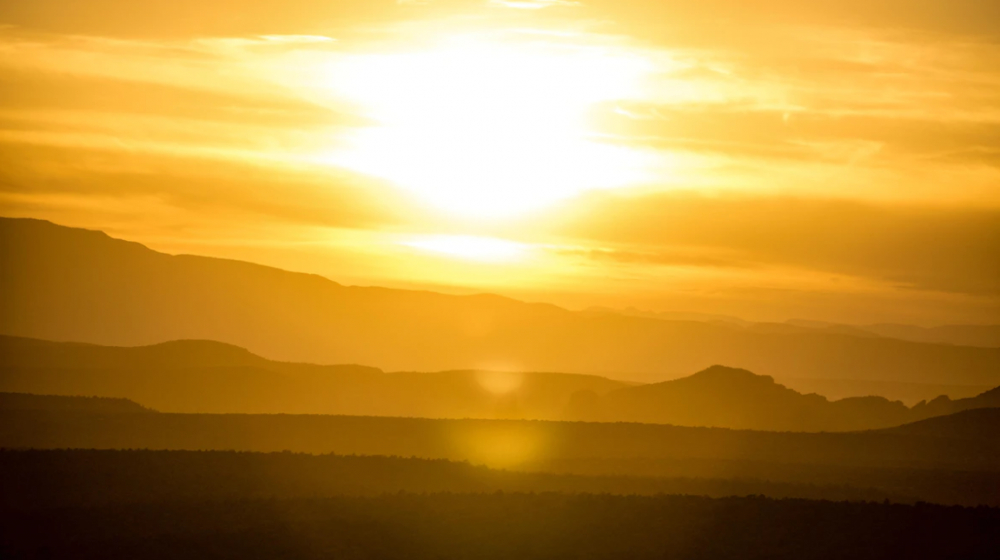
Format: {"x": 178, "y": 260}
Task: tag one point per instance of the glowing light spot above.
{"x": 499, "y": 382}
{"x": 501, "y": 445}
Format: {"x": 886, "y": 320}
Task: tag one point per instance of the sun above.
{"x": 483, "y": 128}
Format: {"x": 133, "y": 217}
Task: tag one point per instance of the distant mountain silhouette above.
{"x": 736, "y": 398}
{"x": 909, "y": 393}
{"x": 24, "y": 401}
{"x": 61, "y": 283}
{"x": 204, "y": 376}
{"x": 987, "y": 336}
{"x": 943, "y": 405}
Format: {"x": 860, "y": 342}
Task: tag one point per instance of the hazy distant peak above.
{"x": 728, "y": 378}
{"x": 202, "y": 351}
{"x": 713, "y": 383}
{"x": 726, "y": 373}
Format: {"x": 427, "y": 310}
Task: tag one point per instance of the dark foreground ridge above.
{"x": 34, "y": 479}
{"x": 954, "y": 466}
{"x": 503, "y": 526}
{"x": 25, "y": 401}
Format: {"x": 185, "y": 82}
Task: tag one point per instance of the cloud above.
{"x": 836, "y": 147}
{"x": 532, "y": 4}
{"x": 928, "y": 248}
{"x": 195, "y": 18}
{"x": 116, "y": 185}
{"x": 670, "y": 256}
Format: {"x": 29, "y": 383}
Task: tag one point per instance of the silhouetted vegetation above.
{"x": 504, "y": 526}
{"x": 56, "y": 478}
{"x": 959, "y": 469}
{"x": 495, "y": 442}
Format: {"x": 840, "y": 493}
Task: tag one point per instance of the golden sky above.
{"x": 769, "y": 160}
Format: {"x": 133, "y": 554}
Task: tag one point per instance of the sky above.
{"x": 768, "y": 160}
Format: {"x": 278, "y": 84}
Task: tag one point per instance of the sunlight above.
{"x": 469, "y": 247}
{"x": 500, "y": 445}
{"x": 489, "y": 129}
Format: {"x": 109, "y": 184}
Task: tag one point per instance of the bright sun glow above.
{"x": 469, "y": 247}
{"x": 486, "y": 129}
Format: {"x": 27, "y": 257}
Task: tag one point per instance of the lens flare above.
{"x": 499, "y": 382}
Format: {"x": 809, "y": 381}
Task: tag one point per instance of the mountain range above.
{"x": 986, "y": 336}
{"x": 60, "y": 283}
{"x": 211, "y": 377}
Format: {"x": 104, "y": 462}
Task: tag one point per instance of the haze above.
{"x": 499, "y": 279}
{"x": 830, "y": 162}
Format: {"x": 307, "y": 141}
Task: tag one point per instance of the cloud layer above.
{"x": 839, "y": 152}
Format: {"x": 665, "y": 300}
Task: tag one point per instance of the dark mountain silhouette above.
{"x": 721, "y": 396}
{"x": 23, "y": 401}
{"x": 909, "y": 393}
{"x": 203, "y": 376}
{"x": 28, "y": 352}
{"x": 736, "y": 398}
{"x": 978, "y": 423}
{"x": 61, "y": 283}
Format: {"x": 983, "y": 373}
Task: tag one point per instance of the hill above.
{"x": 951, "y": 468}
{"x": 736, "y": 398}
{"x": 490, "y": 442}
{"x": 69, "y": 284}
{"x": 23, "y": 401}
{"x": 204, "y": 376}
{"x": 980, "y": 423}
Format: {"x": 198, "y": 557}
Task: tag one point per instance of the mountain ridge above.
{"x": 220, "y": 378}
{"x": 734, "y": 397}
{"x": 60, "y": 284}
